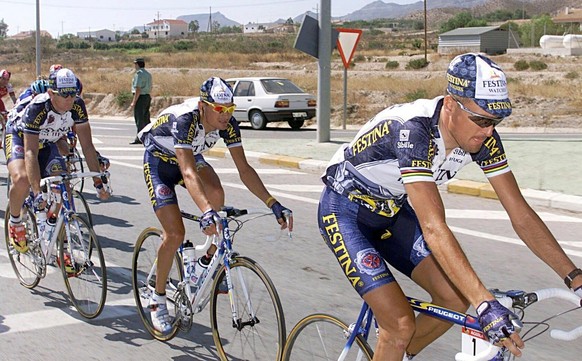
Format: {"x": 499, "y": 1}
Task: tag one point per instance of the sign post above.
{"x": 346, "y": 44}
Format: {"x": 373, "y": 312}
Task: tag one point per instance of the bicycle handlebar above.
{"x": 68, "y": 176}
{"x": 522, "y": 299}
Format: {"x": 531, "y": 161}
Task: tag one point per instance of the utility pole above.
{"x": 425, "y": 35}
{"x": 209, "y": 27}
{"x": 37, "y": 38}
{"x": 158, "y": 27}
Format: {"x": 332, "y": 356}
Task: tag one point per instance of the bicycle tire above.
{"x": 323, "y": 337}
{"x": 86, "y": 279}
{"x": 144, "y": 260}
{"x": 76, "y": 166}
{"x": 81, "y": 207}
{"x": 249, "y": 342}
{"x": 27, "y": 266}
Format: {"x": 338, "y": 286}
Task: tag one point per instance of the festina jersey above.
{"x": 180, "y": 126}
{"x": 40, "y": 118}
{"x": 403, "y": 144}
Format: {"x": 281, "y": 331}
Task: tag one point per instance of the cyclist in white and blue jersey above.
{"x": 174, "y": 145}
{"x": 381, "y": 204}
{"x": 31, "y": 150}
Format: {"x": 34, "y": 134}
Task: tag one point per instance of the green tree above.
{"x": 194, "y": 26}
{"x": 458, "y": 21}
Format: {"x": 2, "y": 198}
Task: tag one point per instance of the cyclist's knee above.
{"x": 174, "y": 236}
{"x": 19, "y": 179}
{"x": 399, "y": 333}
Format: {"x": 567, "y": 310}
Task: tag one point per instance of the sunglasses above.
{"x": 66, "y": 94}
{"x": 221, "y": 109}
{"x": 479, "y": 119}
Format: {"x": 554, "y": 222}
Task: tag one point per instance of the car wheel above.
{"x": 296, "y": 124}
{"x": 258, "y": 120}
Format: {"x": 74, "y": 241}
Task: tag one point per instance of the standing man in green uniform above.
{"x": 141, "y": 87}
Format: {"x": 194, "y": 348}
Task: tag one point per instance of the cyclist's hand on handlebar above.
{"x": 284, "y": 215}
{"x": 103, "y": 162}
{"x": 500, "y": 325}
{"x": 208, "y": 222}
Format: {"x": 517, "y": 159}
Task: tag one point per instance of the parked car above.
{"x": 261, "y": 100}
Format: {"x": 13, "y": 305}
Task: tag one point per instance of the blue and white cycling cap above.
{"x": 64, "y": 81}
{"x": 216, "y": 90}
{"x": 477, "y": 77}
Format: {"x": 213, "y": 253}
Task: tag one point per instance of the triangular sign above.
{"x": 346, "y": 43}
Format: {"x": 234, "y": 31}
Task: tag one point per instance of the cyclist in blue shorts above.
{"x": 31, "y": 146}
{"x": 174, "y": 145}
{"x": 381, "y": 204}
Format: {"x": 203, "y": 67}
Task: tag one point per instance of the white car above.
{"x": 261, "y": 100}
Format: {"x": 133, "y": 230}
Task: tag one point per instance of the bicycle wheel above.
{"x": 259, "y": 331}
{"x": 83, "y": 266}
{"x": 81, "y": 207}
{"x": 75, "y": 164}
{"x": 143, "y": 273}
{"x": 323, "y": 337}
{"x": 29, "y": 266}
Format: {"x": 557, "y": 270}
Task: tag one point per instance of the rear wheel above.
{"x": 83, "y": 265}
{"x": 27, "y": 266}
{"x": 81, "y": 207}
{"x": 296, "y": 124}
{"x": 143, "y": 272}
{"x": 75, "y": 164}
{"x": 258, "y": 120}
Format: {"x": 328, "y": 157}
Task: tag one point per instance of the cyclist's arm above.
{"x": 429, "y": 208}
{"x": 86, "y": 140}
{"x": 13, "y": 97}
{"x": 530, "y": 228}
{"x": 31, "y": 161}
{"x": 248, "y": 175}
{"x": 192, "y": 179}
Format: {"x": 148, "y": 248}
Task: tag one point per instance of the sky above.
{"x": 69, "y": 17}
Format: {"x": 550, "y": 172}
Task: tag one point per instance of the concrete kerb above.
{"x": 467, "y": 187}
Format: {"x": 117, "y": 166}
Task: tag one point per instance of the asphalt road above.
{"x": 40, "y": 323}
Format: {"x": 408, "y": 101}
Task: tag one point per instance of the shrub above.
{"x": 359, "y": 58}
{"x": 572, "y": 75}
{"x": 415, "y": 95}
{"x": 392, "y": 64}
{"x": 417, "y": 64}
{"x": 521, "y": 65}
{"x": 123, "y": 98}
{"x": 538, "y": 65}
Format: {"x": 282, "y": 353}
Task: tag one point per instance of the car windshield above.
{"x": 280, "y": 86}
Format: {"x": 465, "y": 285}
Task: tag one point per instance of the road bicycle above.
{"x": 77, "y": 248}
{"x": 246, "y": 317}
{"x": 74, "y": 161}
{"x": 325, "y": 337}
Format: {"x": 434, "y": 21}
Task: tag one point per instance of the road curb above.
{"x": 457, "y": 186}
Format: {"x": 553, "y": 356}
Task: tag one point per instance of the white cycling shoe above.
{"x": 161, "y": 319}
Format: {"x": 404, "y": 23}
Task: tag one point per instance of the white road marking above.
{"x": 502, "y": 215}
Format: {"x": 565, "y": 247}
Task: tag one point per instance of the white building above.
{"x": 167, "y": 28}
{"x": 104, "y": 35}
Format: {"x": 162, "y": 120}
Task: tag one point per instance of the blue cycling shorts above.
{"x": 364, "y": 242}
{"x": 50, "y": 160}
{"x": 162, "y": 176}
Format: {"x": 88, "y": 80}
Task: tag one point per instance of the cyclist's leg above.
{"x": 18, "y": 192}
{"x": 341, "y": 224}
{"x": 408, "y": 252}
{"x": 172, "y": 237}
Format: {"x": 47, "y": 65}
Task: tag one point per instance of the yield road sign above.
{"x": 346, "y": 43}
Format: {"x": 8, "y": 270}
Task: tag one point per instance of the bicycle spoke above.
{"x": 322, "y": 337}
{"x": 144, "y": 280}
{"x": 83, "y": 264}
{"x": 258, "y": 331}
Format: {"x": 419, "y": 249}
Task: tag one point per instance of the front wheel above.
{"x": 143, "y": 274}
{"x": 83, "y": 266}
{"x": 258, "y": 120}
{"x": 323, "y": 337}
{"x": 29, "y": 266}
{"x": 258, "y": 330}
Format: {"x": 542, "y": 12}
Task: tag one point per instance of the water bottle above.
{"x": 189, "y": 257}
{"x": 41, "y": 224}
{"x": 200, "y": 271}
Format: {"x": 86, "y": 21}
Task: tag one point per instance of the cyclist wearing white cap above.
{"x": 31, "y": 150}
{"x": 381, "y": 205}
{"x": 174, "y": 145}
